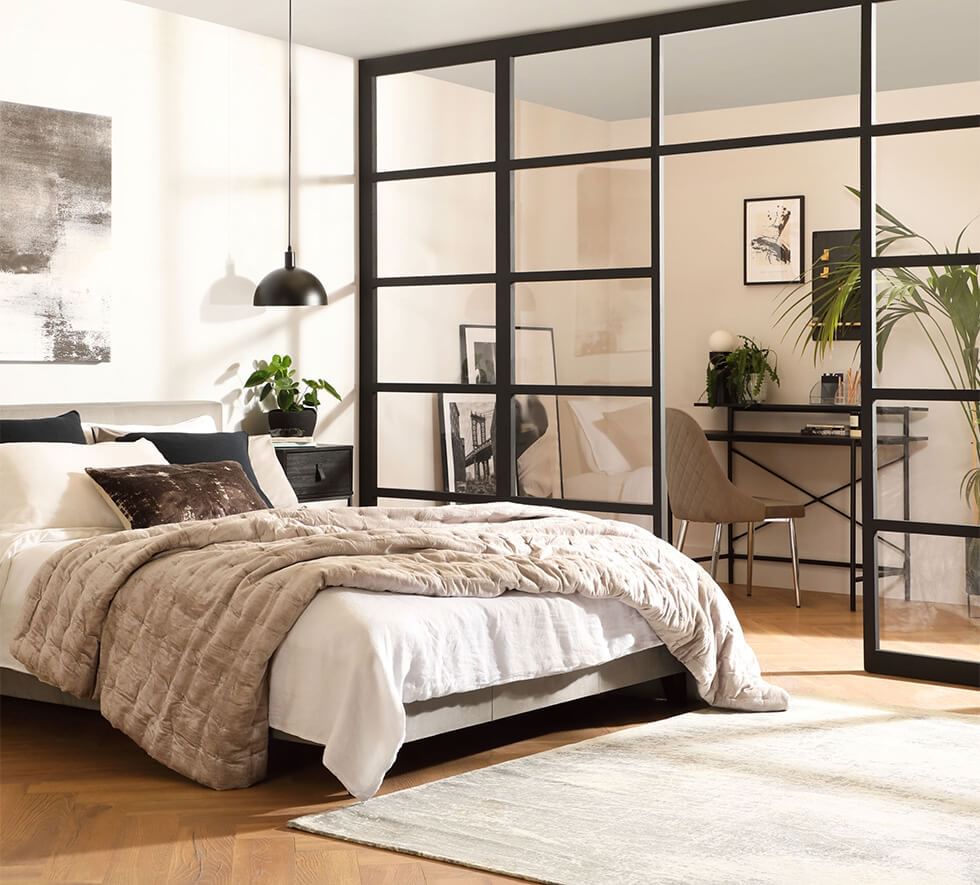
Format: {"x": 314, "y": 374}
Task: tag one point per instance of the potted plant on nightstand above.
{"x": 295, "y": 411}
{"x": 746, "y": 372}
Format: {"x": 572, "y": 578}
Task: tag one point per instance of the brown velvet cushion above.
{"x": 154, "y": 494}
{"x": 631, "y": 431}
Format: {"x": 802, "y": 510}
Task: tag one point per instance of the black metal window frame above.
{"x": 503, "y": 165}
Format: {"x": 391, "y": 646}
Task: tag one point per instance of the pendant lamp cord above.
{"x": 289, "y": 129}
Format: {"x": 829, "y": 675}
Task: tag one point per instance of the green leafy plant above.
{"x": 942, "y": 300}
{"x": 278, "y": 377}
{"x": 746, "y": 370}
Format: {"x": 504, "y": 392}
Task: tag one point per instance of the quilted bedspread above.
{"x": 172, "y": 628}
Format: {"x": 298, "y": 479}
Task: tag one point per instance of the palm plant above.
{"x": 944, "y": 302}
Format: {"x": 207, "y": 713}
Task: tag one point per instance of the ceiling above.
{"x": 920, "y": 43}
{"x": 366, "y": 28}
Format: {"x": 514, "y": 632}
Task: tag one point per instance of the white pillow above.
{"x": 108, "y": 432}
{"x": 45, "y": 484}
{"x": 269, "y": 472}
{"x": 600, "y": 451}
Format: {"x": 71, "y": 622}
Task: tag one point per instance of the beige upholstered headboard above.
{"x": 122, "y": 413}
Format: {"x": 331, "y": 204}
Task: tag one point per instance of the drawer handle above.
{"x": 319, "y": 474}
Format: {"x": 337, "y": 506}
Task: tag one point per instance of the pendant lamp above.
{"x": 289, "y": 286}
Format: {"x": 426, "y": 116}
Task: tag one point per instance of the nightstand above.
{"x": 319, "y": 472}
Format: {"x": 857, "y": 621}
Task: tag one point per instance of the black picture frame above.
{"x": 467, "y": 355}
{"x": 771, "y": 245}
{"x": 451, "y": 452}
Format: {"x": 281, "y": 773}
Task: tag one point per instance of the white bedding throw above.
{"x": 253, "y": 574}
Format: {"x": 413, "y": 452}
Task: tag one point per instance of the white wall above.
{"x": 199, "y": 199}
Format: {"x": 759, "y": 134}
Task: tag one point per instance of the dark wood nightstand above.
{"x": 319, "y": 472}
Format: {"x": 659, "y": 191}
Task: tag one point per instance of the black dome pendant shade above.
{"x": 289, "y": 286}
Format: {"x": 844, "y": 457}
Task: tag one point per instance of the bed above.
{"x": 460, "y": 660}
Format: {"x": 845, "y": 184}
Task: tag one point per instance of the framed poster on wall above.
{"x": 773, "y": 240}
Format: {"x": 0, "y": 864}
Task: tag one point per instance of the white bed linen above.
{"x": 354, "y": 658}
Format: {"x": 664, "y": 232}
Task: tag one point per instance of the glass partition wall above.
{"x": 511, "y": 288}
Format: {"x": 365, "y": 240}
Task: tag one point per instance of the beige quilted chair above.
{"x": 699, "y": 491}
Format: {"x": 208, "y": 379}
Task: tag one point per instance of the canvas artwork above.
{"x": 773, "y": 247}
{"x": 536, "y": 424}
{"x": 55, "y": 234}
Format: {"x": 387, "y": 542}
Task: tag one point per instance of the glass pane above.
{"x": 930, "y": 183}
{"x": 571, "y": 217}
{"x": 787, "y": 74}
{"x": 436, "y": 117}
{"x": 644, "y": 522}
{"x": 593, "y": 98}
{"x": 443, "y": 442}
{"x": 436, "y": 226}
{"x": 409, "y": 442}
{"x": 933, "y": 484}
{"x": 423, "y": 331}
{"x": 928, "y": 328}
{"x": 929, "y": 613}
{"x": 592, "y": 332}
{"x": 927, "y": 59}
{"x": 584, "y": 448}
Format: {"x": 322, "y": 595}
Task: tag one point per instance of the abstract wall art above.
{"x": 55, "y": 235}
{"x": 773, "y": 234}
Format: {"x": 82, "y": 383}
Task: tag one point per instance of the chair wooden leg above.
{"x": 749, "y": 553}
{"x": 715, "y": 551}
{"x": 682, "y": 535}
{"x": 795, "y": 555}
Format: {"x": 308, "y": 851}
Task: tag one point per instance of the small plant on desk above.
{"x": 746, "y": 371}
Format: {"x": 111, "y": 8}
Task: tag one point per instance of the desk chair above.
{"x": 699, "y": 491}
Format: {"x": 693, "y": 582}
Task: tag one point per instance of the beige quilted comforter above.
{"x": 172, "y": 628}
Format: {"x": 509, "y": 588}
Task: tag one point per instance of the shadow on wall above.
{"x": 229, "y": 298}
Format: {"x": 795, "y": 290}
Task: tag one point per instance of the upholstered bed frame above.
{"x": 650, "y": 671}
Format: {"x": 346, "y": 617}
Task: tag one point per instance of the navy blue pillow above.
{"x": 65, "y": 428}
{"x": 202, "y": 448}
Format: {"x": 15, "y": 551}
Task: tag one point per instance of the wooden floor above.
{"x": 80, "y": 803}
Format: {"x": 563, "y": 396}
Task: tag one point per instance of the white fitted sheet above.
{"x": 354, "y": 658}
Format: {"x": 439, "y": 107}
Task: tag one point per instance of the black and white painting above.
{"x": 537, "y": 438}
{"x": 55, "y": 234}
{"x": 773, "y": 247}
{"x": 468, "y": 424}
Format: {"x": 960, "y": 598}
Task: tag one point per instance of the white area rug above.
{"x": 822, "y": 793}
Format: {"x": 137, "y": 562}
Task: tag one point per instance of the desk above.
{"x": 731, "y": 436}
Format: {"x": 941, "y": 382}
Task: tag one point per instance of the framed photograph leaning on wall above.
{"x": 537, "y": 436}
{"x": 773, "y": 240}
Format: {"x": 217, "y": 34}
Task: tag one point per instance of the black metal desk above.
{"x": 903, "y": 440}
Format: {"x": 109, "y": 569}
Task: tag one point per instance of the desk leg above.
{"x": 852, "y": 522}
{"x": 906, "y": 505}
{"x": 731, "y": 477}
